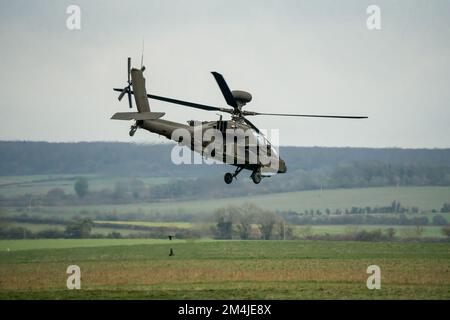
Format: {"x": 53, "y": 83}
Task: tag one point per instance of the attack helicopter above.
{"x": 242, "y": 131}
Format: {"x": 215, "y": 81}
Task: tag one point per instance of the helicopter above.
{"x": 257, "y": 155}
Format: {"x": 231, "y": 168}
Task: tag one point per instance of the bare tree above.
{"x": 446, "y": 231}
{"x": 267, "y": 221}
{"x": 225, "y": 218}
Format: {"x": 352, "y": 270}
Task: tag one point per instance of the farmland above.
{"x": 142, "y": 269}
{"x": 135, "y": 218}
{"x": 117, "y": 232}
{"x": 426, "y": 198}
{"x": 41, "y": 184}
{"x": 204, "y": 268}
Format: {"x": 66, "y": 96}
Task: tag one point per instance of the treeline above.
{"x": 81, "y": 228}
{"x": 351, "y": 175}
{"x": 29, "y": 158}
{"x": 393, "y": 214}
{"x": 394, "y": 207}
{"x": 402, "y": 220}
{"x": 248, "y": 222}
{"x": 388, "y": 234}
{"x": 308, "y": 169}
{"x": 132, "y": 190}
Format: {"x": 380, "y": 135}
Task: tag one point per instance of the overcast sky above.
{"x": 292, "y": 56}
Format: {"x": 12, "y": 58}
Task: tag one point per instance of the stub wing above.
{"x": 138, "y": 115}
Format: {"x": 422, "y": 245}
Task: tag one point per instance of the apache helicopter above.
{"x": 151, "y": 121}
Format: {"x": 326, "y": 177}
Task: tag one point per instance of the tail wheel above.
{"x": 133, "y": 129}
{"x": 256, "y": 177}
{"x": 228, "y": 178}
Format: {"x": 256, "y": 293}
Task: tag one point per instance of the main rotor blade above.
{"x": 251, "y": 113}
{"x": 184, "y": 103}
{"x": 189, "y": 104}
{"x": 251, "y": 124}
{"x": 129, "y": 70}
{"x": 225, "y": 90}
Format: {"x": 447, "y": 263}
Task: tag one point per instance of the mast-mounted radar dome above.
{"x": 242, "y": 97}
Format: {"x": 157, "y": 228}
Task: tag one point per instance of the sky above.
{"x": 309, "y": 57}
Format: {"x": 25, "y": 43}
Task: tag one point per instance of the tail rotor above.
{"x": 127, "y": 89}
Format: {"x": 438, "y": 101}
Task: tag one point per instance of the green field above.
{"x": 300, "y": 231}
{"x": 181, "y": 225}
{"x": 41, "y": 184}
{"x": 426, "y": 198}
{"x": 142, "y": 269}
{"x": 19, "y": 245}
{"x": 210, "y": 269}
{"x": 37, "y": 227}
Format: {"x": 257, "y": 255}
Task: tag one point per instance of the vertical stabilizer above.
{"x": 140, "y": 93}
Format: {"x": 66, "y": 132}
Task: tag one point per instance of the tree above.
{"x": 305, "y": 231}
{"x": 419, "y": 230}
{"x": 283, "y": 232}
{"x": 244, "y": 226}
{"x": 114, "y": 235}
{"x": 80, "y": 228}
{"x": 224, "y": 225}
{"x": 224, "y": 228}
{"x": 446, "y": 231}
{"x": 137, "y": 187}
{"x": 267, "y": 221}
{"x": 390, "y": 233}
{"x": 445, "y": 208}
{"x": 439, "y": 220}
{"x": 120, "y": 189}
{"x": 81, "y": 187}
{"x": 245, "y": 219}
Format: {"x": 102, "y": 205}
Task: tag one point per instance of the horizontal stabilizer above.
{"x": 137, "y": 115}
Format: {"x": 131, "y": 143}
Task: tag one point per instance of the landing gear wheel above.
{"x": 133, "y": 130}
{"x": 228, "y": 178}
{"x": 256, "y": 177}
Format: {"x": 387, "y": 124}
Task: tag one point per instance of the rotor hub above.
{"x": 241, "y": 97}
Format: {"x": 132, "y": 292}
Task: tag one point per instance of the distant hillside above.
{"x": 26, "y": 158}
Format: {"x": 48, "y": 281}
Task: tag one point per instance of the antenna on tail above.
{"x": 142, "y": 56}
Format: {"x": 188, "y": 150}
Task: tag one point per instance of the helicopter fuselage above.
{"x": 231, "y": 131}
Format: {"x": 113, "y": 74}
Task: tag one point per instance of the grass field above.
{"x": 41, "y": 184}
{"x": 209, "y": 269}
{"x": 400, "y": 231}
{"x": 181, "y": 225}
{"x": 37, "y": 227}
{"x": 426, "y": 198}
{"x": 301, "y": 231}
{"x": 142, "y": 269}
